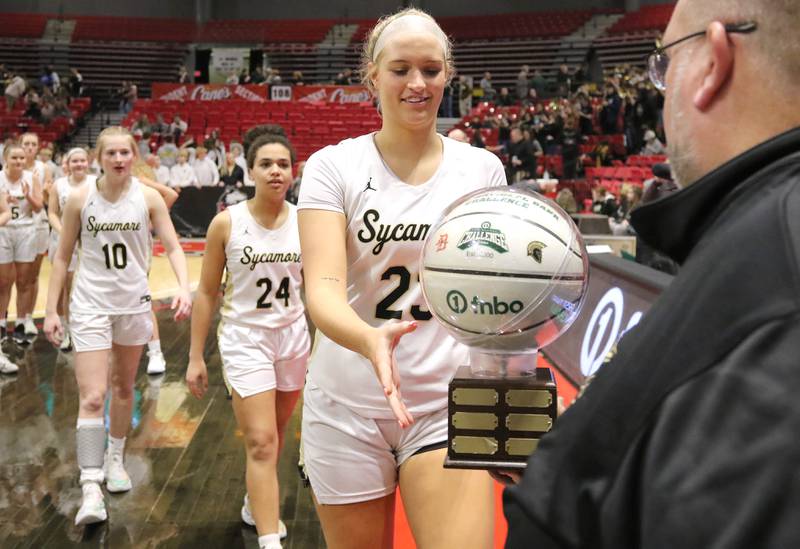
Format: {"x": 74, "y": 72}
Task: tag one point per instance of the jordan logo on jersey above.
{"x": 389, "y": 233}
{"x": 369, "y": 186}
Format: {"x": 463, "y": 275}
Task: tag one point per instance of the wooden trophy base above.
{"x": 496, "y": 422}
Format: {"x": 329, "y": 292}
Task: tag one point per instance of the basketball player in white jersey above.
{"x": 263, "y": 339}
{"x": 76, "y": 168}
{"x": 17, "y": 158}
{"x": 30, "y": 142}
{"x": 110, "y": 317}
{"x": 18, "y": 242}
{"x": 365, "y": 208}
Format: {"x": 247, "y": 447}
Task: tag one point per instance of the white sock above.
{"x": 154, "y": 346}
{"x": 3, "y": 323}
{"x": 28, "y": 318}
{"x": 116, "y": 445}
{"x": 89, "y": 421}
{"x": 269, "y": 541}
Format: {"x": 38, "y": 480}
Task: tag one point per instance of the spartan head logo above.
{"x": 535, "y": 250}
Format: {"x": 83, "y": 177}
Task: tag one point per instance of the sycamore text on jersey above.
{"x": 94, "y": 227}
{"x": 389, "y": 233}
{"x": 276, "y": 257}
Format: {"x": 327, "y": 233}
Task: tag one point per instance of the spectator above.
{"x": 521, "y": 160}
{"x": 563, "y": 81}
{"x": 142, "y": 125}
{"x": 539, "y": 83}
{"x": 504, "y": 99}
{"x": 33, "y": 105}
{"x": 523, "y": 82}
{"x": 652, "y": 146}
{"x": 216, "y": 148}
{"x": 177, "y": 128}
{"x": 168, "y": 152}
{"x": 274, "y": 77}
{"x": 181, "y": 174}
{"x": 294, "y": 191}
{"x": 612, "y": 103}
{"x": 604, "y": 202}
{"x": 257, "y": 77}
{"x": 14, "y": 91}
{"x": 486, "y": 86}
{"x": 463, "y": 90}
{"x": 232, "y": 174}
{"x": 238, "y": 155}
{"x": 159, "y": 127}
{"x": 55, "y": 80}
{"x": 344, "y": 78}
{"x": 297, "y": 78}
{"x": 244, "y": 77}
{"x": 75, "y": 83}
{"x": 205, "y": 169}
{"x": 566, "y": 200}
{"x": 161, "y": 172}
{"x": 183, "y": 75}
{"x": 458, "y": 135}
{"x": 232, "y": 79}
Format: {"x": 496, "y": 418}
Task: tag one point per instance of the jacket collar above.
{"x": 676, "y": 223}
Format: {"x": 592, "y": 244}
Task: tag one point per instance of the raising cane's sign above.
{"x": 331, "y": 94}
{"x": 209, "y": 92}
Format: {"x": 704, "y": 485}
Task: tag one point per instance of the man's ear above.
{"x": 719, "y": 67}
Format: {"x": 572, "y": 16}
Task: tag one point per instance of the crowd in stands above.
{"x": 585, "y": 123}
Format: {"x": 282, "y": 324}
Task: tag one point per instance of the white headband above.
{"x": 409, "y": 23}
{"x": 74, "y": 150}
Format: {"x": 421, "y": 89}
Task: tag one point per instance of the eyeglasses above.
{"x": 658, "y": 60}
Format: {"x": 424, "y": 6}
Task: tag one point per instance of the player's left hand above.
{"x": 182, "y": 305}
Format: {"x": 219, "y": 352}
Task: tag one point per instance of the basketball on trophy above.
{"x": 504, "y": 270}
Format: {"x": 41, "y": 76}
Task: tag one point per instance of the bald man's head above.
{"x": 776, "y": 40}
{"x": 458, "y": 135}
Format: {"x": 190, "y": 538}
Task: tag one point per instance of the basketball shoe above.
{"x": 156, "y": 363}
{"x": 247, "y": 518}
{"x": 6, "y": 366}
{"x": 93, "y": 506}
{"x": 117, "y": 479}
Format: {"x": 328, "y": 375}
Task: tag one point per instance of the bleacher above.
{"x": 647, "y": 18}
{"x": 104, "y": 65}
{"x": 301, "y": 31}
{"x": 310, "y": 126}
{"x": 14, "y": 123}
{"x": 23, "y": 25}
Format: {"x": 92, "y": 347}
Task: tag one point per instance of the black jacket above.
{"x": 690, "y": 436}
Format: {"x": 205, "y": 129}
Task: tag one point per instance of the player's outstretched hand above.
{"x": 382, "y": 358}
{"x": 182, "y": 305}
{"x": 197, "y": 377}
{"x": 53, "y": 329}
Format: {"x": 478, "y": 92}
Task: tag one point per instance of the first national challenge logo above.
{"x": 484, "y": 236}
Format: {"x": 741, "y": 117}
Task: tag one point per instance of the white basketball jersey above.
{"x": 40, "y": 171}
{"x": 21, "y": 211}
{"x": 63, "y": 187}
{"x": 115, "y": 254}
{"x": 387, "y": 222}
{"x": 264, "y": 272}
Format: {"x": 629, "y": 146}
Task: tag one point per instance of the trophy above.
{"x": 505, "y": 271}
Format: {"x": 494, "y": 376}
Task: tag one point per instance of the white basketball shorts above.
{"x": 259, "y": 359}
{"x": 350, "y": 458}
{"x": 51, "y": 253}
{"x": 18, "y": 244}
{"x": 42, "y": 239}
{"x": 97, "y": 332}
